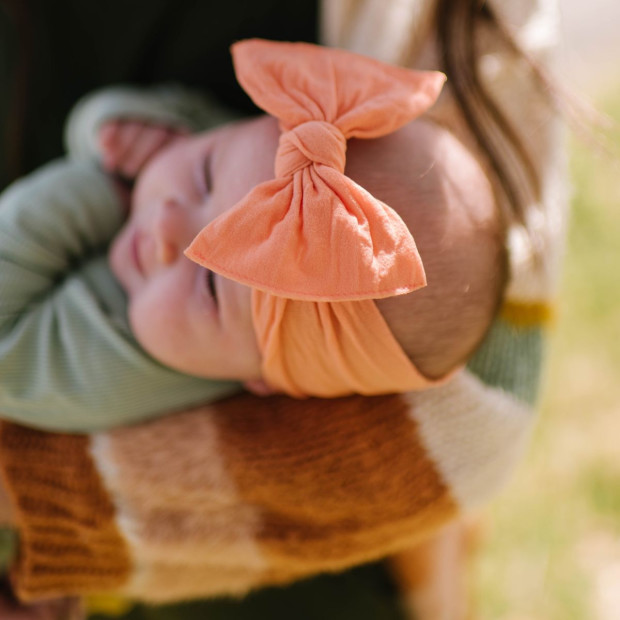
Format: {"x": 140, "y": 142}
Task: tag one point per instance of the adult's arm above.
{"x": 252, "y": 491}
{"x": 67, "y": 358}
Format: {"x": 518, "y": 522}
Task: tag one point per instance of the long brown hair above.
{"x": 457, "y": 26}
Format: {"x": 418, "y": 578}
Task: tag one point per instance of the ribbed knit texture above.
{"x": 524, "y": 347}
{"x": 67, "y": 358}
{"x": 66, "y": 518}
{"x": 8, "y": 547}
{"x": 220, "y": 515}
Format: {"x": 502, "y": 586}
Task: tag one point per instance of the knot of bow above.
{"x": 311, "y": 142}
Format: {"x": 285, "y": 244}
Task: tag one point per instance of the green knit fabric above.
{"x": 511, "y": 358}
{"x": 8, "y": 546}
{"x": 68, "y": 360}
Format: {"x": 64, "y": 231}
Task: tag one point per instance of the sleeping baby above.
{"x": 309, "y": 283}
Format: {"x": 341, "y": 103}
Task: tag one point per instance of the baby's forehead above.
{"x": 248, "y": 143}
{"x": 414, "y": 161}
{"x": 262, "y": 130}
{"x": 408, "y": 148}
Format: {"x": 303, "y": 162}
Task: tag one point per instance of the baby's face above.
{"x": 185, "y": 316}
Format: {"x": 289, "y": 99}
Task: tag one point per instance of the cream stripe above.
{"x": 475, "y": 434}
{"x": 101, "y": 455}
{"x": 169, "y": 516}
{"x": 383, "y": 29}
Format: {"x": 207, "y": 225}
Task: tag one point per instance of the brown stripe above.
{"x": 255, "y": 491}
{"x": 340, "y": 481}
{"x": 68, "y": 540}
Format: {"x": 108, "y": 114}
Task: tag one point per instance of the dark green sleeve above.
{"x": 67, "y": 358}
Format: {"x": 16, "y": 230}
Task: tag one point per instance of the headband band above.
{"x": 330, "y": 349}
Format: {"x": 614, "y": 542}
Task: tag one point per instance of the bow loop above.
{"x": 311, "y": 142}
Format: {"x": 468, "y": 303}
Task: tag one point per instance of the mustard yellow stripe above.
{"x": 46, "y": 473}
{"x": 527, "y": 314}
{"x": 108, "y": 605}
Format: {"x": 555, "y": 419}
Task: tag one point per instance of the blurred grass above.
{"x": 551, "y": 548}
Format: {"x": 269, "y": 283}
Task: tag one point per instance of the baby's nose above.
{"x": 171, "y": 230}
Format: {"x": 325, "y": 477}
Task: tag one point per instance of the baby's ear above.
{"x": 258, "y": 387}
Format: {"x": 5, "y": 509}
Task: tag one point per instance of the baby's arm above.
{"x": 67, "y": 358}
{"x": 258, "y": 491}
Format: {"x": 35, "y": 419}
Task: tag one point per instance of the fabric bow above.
{"x": 312, "y": 233}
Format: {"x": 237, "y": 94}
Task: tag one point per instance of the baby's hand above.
{"x": 58, "y": 609}
{"x": 127, "y": 145}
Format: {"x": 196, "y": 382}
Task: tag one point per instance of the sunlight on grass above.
{"x": 552, "y": 543}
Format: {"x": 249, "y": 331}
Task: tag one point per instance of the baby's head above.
{"x": 444, "y": 197}
{"x": 202, "y": 323}
{"x": 294, "y": 218}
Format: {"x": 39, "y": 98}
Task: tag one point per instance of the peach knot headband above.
{"x": 312, "y": 233}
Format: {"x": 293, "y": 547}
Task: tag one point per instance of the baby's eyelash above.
{"x": 208, "y": 182}
{"x": 211, "y": 284}
{"x": 202, "y": 175}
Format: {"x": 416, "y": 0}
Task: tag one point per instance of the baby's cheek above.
{"x": 155, "y": 326}
{"x": 142, "y": 323}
